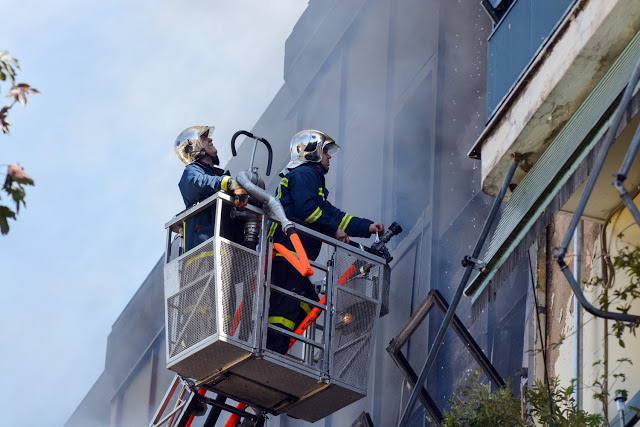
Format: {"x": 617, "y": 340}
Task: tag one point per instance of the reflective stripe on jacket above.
{"x": 303, "y": 195}
{"x": 199, "y": 181}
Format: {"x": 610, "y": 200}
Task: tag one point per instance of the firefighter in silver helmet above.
{"x": 201, "y": 178}
{"x": 303, "y": 195}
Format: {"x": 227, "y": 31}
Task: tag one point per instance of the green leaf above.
{"x": 621, "y": 343}
{"x": 4, "y": 225}
{"x": 5, "y": 213}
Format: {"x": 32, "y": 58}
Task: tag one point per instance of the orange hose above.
{"x": 234, "y": 417}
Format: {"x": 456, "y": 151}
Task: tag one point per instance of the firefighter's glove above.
{"x": 240, "y": 196}
{"x": 233, "y": 185}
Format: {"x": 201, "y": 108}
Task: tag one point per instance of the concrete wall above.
{"x": 598, "y": 343}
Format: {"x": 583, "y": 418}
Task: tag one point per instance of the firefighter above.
{"x": 303, "y": 195}
{"x": 201, "y": 178}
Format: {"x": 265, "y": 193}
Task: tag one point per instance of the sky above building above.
{"x": 118, "y": 80}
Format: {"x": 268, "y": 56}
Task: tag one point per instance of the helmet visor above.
{"x": 331, "y": 147}
{"x": 207, "y": 132}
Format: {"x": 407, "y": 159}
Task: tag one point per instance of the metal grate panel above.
{"x": 238, "y": 267}
{"x": 354, "y": 324}
{"x": 191, "y": 313}
{"x": 358, "y": 274}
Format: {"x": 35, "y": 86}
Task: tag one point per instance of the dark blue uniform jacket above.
{"x": 199, "y": 181}
{"x": 303, "y": 195}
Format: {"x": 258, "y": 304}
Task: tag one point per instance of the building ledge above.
{"x": 590, "y": 37}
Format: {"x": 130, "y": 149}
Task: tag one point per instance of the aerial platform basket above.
{"x": 217, "y": 304}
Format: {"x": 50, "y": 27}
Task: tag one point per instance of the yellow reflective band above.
{"x": 314, "y": 216}
{"x": 184, "y": 236}
{"x": 200, "y": 255}
{"x": 225, "y": 183}
{"x": 279, "y": 254}
{"x": 284, "y": 182}
{"x": 284, "y": 322}
{"x": 346, "y": 224}
{"x": 321, "y": 193}
{"x": 272, "y": 229}
{"x": 345, "y": 221}
{"x": 305, "y": 307}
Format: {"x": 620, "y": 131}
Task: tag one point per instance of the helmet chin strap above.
{"x": 214, "y": 159}
{"x": 324, "y": 170}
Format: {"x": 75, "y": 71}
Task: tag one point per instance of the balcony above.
{"x": 551, "y": 85}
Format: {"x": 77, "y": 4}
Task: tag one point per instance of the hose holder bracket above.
{"x": 477, "y": 264}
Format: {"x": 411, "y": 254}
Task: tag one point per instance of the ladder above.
{"x": 189, "y": 403}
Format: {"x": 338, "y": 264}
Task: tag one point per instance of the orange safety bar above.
{"x": 236, "y": 319}
{"x": 301, "y": 263}
{"x": 234, "y": 417}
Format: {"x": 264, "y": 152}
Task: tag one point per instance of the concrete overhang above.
{"x": 572, "y": 61}
{"x": 604, "y": 198}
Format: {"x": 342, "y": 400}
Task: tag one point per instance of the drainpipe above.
{"x": 578, "y": 245}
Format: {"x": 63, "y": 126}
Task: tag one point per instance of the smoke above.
{"x": 400, "y": 86}
{"x": 118, "y": 82}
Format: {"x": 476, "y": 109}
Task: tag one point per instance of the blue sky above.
{"x": 119, "y": 80}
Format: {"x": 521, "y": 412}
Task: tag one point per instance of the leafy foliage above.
{"x": 18, "y": 92}
{"x": 14, "y": 186}
{"x": 476, "y": 405}
{"x": 16, "y": 178}
{"x": 562, "y": 411}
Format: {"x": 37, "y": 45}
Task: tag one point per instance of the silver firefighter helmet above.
{"x": 307, "y": 146}
{"x": 187, "y": 145}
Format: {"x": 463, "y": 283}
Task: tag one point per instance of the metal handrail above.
{"x": 177, "y": 220}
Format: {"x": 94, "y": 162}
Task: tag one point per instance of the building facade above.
{"x": 405, "y": 88}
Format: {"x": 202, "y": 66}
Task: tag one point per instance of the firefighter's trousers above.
{"x": 286, "y": 312}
